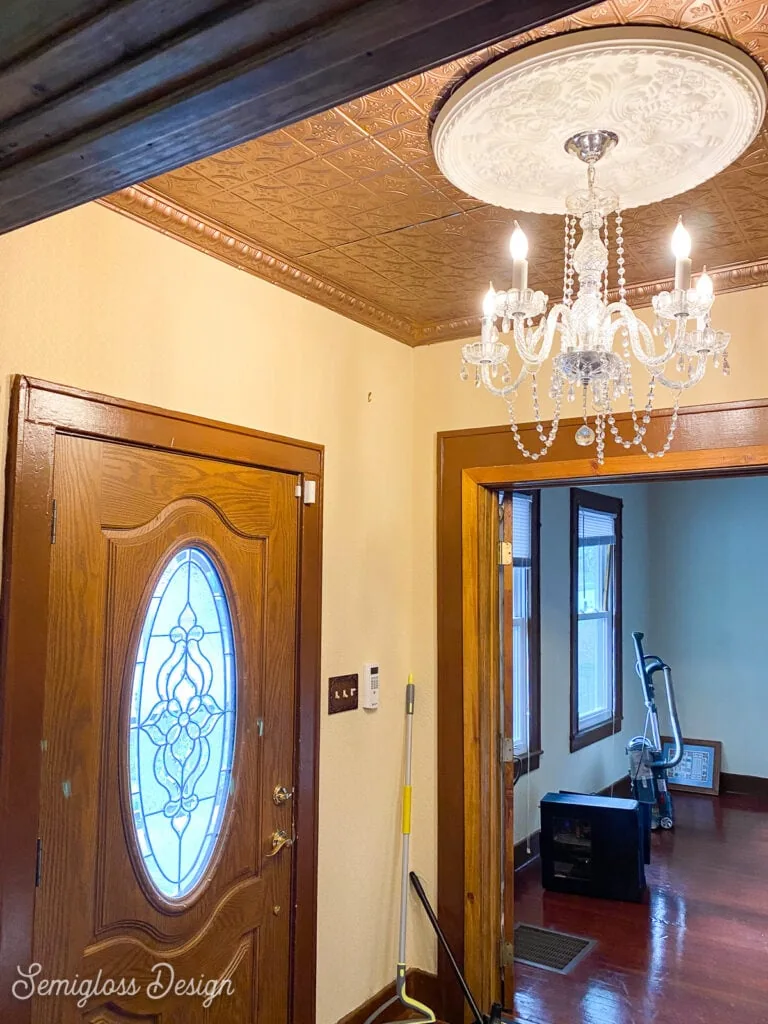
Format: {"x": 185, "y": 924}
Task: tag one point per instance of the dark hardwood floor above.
{"x": 696, "y": 952}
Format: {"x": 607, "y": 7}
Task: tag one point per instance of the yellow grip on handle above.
{"x": 407, "y": 790}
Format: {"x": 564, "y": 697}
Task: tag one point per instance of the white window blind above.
{"x": 522, "y": 505}
{"x": 596, "y": 607}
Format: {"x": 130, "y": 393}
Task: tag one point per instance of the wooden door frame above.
{"x": 40, "y": 410}
{"x": 715, "y": 440}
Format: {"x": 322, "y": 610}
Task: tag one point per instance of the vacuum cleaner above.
{"x": 648, "y": 767}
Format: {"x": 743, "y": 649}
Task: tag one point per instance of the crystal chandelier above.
{"x": 598, "y": 338}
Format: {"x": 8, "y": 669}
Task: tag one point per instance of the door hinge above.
{"x": 507, "y": 750}
{"x": 38, "y": 863}
{"x": 54, "y": 517}
{"x": 505, "y": 552}
{"x": 507, "y": 955}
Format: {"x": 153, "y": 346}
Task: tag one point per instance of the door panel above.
{"x": 122, "y": 514}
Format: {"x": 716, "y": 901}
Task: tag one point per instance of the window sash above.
{"x": 524, "y": 663}
{"x": 595, "y": 612}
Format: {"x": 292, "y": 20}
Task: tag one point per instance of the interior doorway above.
{"x": 473, "y": 466}
{"x": 688, "y": 560}
{"x": 159, "y": 716}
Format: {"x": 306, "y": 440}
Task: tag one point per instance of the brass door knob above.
{"x": 281, "y": 795}
{"x": 279, "y": 840}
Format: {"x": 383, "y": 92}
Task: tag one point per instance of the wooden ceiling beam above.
{"x": 96, "y": 95}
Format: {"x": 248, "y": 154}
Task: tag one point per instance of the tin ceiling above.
{"x": 349, "y": 209}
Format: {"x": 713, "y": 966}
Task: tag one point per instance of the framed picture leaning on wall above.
{"x": 699, "y": 770}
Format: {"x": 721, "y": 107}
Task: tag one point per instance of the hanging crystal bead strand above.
{"x": 641, "y": 426}
{"x": 670, "y": 433}
{"x": 622, "y": 281}
{"x": 549, "y": 439}
{"x": 600, "y": 433}
{"x": 567, "y": 272}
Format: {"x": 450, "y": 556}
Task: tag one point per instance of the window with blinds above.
{"x": 525, "y": 655}
{"x": 595, "y": 569}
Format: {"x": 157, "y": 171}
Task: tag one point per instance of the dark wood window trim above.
{"x": 39, "y": 411}
{"x": 530, "y": 760}
{"x": 581, "y": 738}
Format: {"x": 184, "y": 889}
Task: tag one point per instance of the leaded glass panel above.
{"x": 182, "y": 725}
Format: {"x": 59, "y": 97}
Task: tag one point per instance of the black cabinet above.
{"x": 592, "y": 846}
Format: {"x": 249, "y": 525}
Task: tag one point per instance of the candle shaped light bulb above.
{"x": 489, "y": 302}
{"x": 518, "y": 249}
{"x": 681, "y": 249}
{"x": 705, "y": 288}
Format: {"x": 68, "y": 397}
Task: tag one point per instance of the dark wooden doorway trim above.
{"x": 99, "y": 94}
{"x": 38, "y": 411}
{"x": 715, "y": 440}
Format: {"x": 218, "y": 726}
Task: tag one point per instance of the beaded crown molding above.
{"x": 147, "y": 207}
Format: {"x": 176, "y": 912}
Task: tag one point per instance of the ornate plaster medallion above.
{"x": 683, "y": 105}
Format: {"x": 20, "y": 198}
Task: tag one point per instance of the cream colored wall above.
{"x": 91, "y": 299}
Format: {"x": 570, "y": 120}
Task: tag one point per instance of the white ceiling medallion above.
{"x": 684, "y": 106}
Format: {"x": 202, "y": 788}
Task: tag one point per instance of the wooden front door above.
{"x": 166, "y": 818}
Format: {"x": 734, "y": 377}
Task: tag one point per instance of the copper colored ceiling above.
{"x": 349, "y": 209}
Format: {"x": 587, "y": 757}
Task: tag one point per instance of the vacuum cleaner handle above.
{"x": 677, "y": 752}
{"x": 646, "y": 665}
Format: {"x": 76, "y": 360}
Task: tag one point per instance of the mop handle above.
{"x": 410, "y": 693}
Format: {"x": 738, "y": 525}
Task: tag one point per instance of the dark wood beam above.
{"x": 98, "y": 95}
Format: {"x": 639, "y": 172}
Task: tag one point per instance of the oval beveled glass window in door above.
{"x": 182, "y": 724}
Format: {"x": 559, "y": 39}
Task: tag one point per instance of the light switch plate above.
{"x": 343, "y": 693}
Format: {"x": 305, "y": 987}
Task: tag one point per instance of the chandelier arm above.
{"x": 506, "y": 389}
{"x": 637, "y": 330}
{"x": 691, "y": 381}
{"x": 534, "y": 344}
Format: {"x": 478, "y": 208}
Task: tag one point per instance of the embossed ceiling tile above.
{"x": 347, "y": 273}
{"x": 364, "y": 160}
{"x": 184, "y": 184}
{"x": 320, "y": 222}
{"x": 267, "y": 155}
{"x": 430, "y": 172}
{"x": 351, "y": 199}
{"x": 274, "y": 152}
{"x": 381, "y": 110}
{"x": 377, "y": 255}
{"x": 226, "y": 209}
{"x": 412, "y": 278}
{"x": 678, "y": 15}
{"x": 411, "y": 211}
{"x": 409, "y": 143}
{"x": 268, "y": 192}
{"x": 325, "y": 132}
{"x": 756, "y": 154}
{"x": 386, "y": 293}
{"x": 314, "y": 176}
{"x": 395, "y": 186}
{"x": 258, "y": 226}
{"x": 426, "y": 87}
{"x": 412, "y": 241}
{"x": 747, "y": 25}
